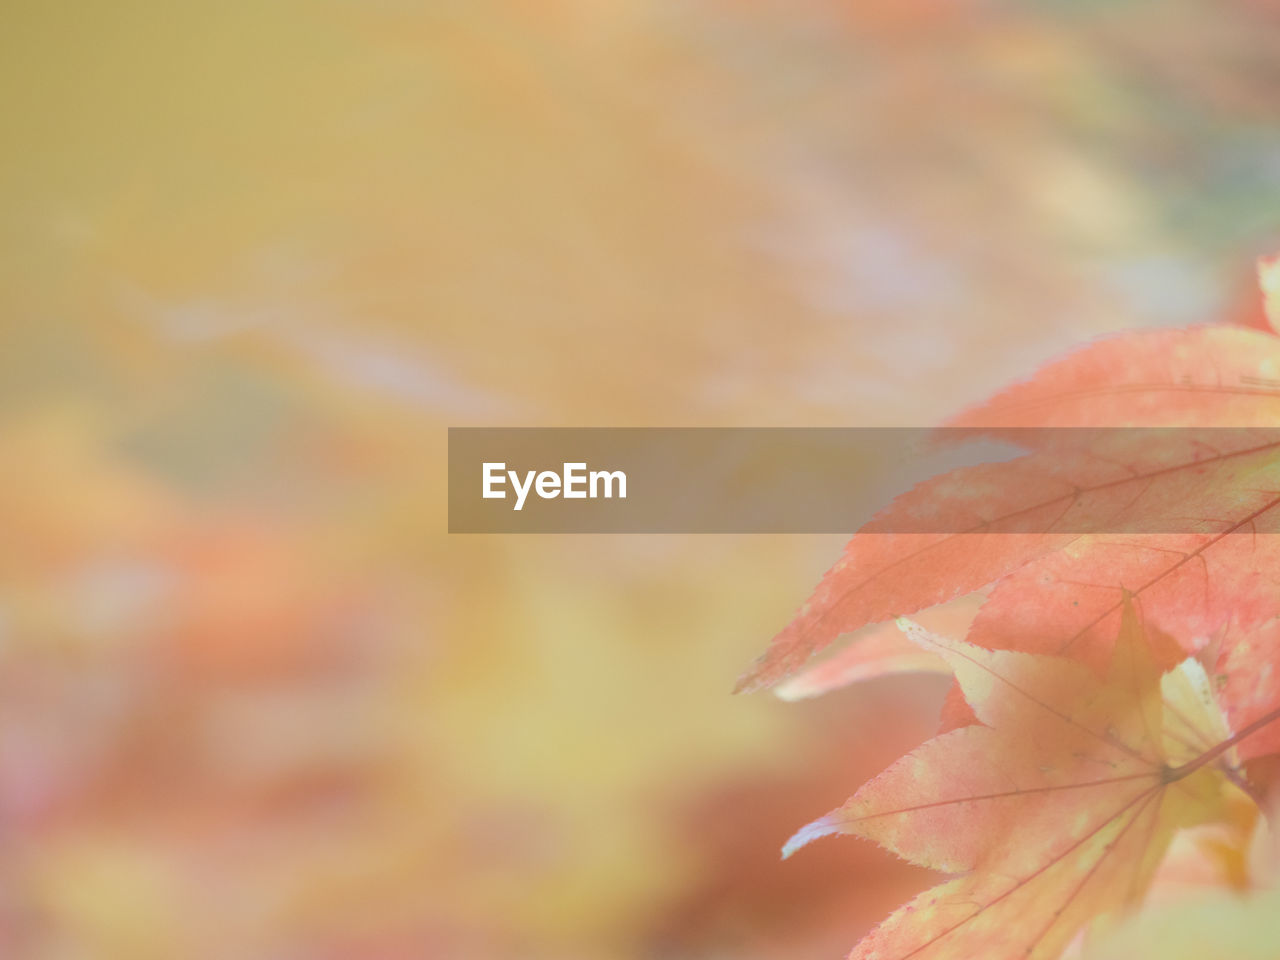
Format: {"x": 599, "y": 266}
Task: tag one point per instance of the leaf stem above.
{"x": 1174, "y": 774}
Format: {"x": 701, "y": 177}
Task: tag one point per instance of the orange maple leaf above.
{"x": 1029, "y": 528}
{"x": 1216, "y": 376}
{"x": 1056, "y": 807}
{"x": 1186, "y": 510}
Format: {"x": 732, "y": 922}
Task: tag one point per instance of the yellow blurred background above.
{"x": 257, "y": 257}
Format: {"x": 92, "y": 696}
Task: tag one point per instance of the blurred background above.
{"x": 257, "y": 257}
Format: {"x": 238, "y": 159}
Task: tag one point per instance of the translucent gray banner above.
{"x": 1208, "y": 481}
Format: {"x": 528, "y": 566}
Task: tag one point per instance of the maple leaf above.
{"x": 1218, "y": 376}
{"x": 1055, "y": 807}
{"x": 1065, "y": 762}
{"x": 1038, "y": 517}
